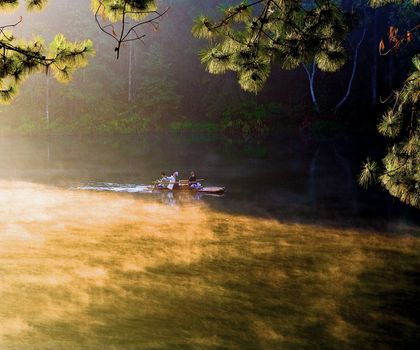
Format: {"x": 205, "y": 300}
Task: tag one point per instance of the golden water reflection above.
{"x": 82, "y": 270}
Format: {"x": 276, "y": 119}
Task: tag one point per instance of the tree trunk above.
{"x": 354, "y": 69}
{"x": 311, "y": 78}
{"x": 390, "y": 72}
{"x": 374, "y": 72}
{"x": 47, "y": 100}
{"x": 130, "y": 71}
{"x": 133, "y": 77}
{"x": 48, "y": 152}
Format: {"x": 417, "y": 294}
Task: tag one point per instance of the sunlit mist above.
{"x": 87, "y": 270}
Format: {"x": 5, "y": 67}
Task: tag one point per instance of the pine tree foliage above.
{"x": 11, "y": 5}
{"x": 36, "y": 5}
{"x": 250, "y": 37}
{"x": 8, "y": 5}
{"x": 400, "y": 173}
{"x": 378, "y": 3}
{"x": 19, "y": 58}
{"x": 68, "y": 56}
{"x": 116, "y": 10}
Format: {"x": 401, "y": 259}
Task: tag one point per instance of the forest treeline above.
{"x": 159, "y": 84}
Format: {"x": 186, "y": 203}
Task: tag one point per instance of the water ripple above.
{"x": 115, "y": 187}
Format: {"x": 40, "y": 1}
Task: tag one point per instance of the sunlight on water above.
{"x": 90, "y": 270}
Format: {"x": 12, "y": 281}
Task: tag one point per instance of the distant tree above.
{"x": 156, "y": 95}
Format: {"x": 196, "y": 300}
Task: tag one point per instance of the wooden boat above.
{"x": 182, "y": 186}
{"x": 209, "y": 190}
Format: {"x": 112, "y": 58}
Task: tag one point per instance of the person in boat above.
{"x": 173, "y": 184}
{"x": 163, "y": 181}
{"x": 192, "y": 181}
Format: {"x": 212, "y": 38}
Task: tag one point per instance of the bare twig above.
{"x": 125, "y": 35}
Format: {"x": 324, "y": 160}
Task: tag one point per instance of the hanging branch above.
{"x": 126, "y": 34}
{"x": 7, "y": 45}
{"x": 2, "y": 28}
{"x": 19, "y": 58}
{"x": 400, "y": 166}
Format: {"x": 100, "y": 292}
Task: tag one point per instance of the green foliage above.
{"x": 190, "y": 126}
{"x": 131, "y": 124}
{"x": 248, "y": 118}
{"x": 390, "y": 124}
{"x": 82, "y": 124}
{"x": 109, "y": 12}
{"x": 19, "y": 58}
{"x": 400, "y": 173}
{"x": 116, "y": 10}
{"x": 31, "y": 5}
{"x": 250, "y": 37}
{"x": 157, "y": 94}
{"x": 36, "y": 5}
{"x": 329, "y": 126}
{"x": 68, "y": 56}
{"x": 379, "y": 3}
{"x": 8, "y": 5}
{"x": 368, "y": 174}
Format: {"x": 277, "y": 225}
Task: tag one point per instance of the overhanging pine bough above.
{"x": 400, "y": 171}
{"x": 250, "y": 37}
{"x": 19, "y": 58}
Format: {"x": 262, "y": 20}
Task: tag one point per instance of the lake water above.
{"x": 294, "y": 256}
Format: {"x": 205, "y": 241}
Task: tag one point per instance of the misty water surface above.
{"x": 282, "y": 261}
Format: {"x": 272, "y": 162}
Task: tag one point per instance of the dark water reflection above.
{"x": 286, "y": 177}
